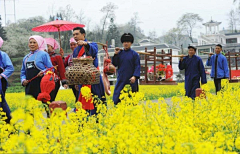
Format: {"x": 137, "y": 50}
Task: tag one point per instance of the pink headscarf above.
{"x": 1, "y": 42}
{"x": 40, "y": 41}
{"x": 72, "y": 40}
{"x": 52, "y": 42}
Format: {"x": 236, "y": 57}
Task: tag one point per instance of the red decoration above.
{"x": 58, "y": 104}
{"x": 235, "y": 74}
{"x": 109, "y": 69}
{"x": 47, "y": 85}
{"x": 86, "y": 104}
{"x": 161, "y": 67}
{"x": 200, "y": 93}
{"x": 169, "y": 72}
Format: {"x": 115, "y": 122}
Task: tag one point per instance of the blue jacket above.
{"x": 6, "y": 65}
{"x": 222, "y": 66}
{"x": 42, "y": 61}
{"x": 194, "y": 70}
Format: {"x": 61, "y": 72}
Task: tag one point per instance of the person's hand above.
{"x": 133, "y": 79}
{"x": 40, "y": 74}
{"x": 25, "y": 82}
{"x": 0, "y": 77}
{"x": 65, "y": 86}
{"x": 210, "y": 54}
{"x": 76, "y": 87}
{"x": 61, "y": 52}
{"x": 181, "y": 58}
{"x": 81, "y": 43}
{"x": 117, "y": 50}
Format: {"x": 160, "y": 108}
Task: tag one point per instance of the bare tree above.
{"x": 109, "y": 12}
{"x": 174, "y": 36}
{"x": 67, "y": 13}
{"x": 134, "y": 22}
{"x": 233, "y": 20}
{"x": 152, "y": 35}
{"x": 88, "y": 23}
{"x": 81, "y": 17}
{"x": 95, "y": 34}
{"x": 234, "y": 1}
{"x": 188, "y": 22}
{"x": 51, "y": 10}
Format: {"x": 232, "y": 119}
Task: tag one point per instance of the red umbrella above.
{"x": 57, "y": 26}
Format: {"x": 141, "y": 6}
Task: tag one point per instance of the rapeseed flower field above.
{"x": 136, "y": 125}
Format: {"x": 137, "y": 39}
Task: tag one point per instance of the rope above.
{"x": 55, "y": 67}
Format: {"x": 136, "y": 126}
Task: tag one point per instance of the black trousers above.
{"x": 4, "y": 103}
{"x": 53, "y": 94}
{"x": 217, "y": 83}
{"x": 75, "y": 92}
{"x": 4, "y": 85}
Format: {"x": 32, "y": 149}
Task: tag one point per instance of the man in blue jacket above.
{"x": 219, "y": 67}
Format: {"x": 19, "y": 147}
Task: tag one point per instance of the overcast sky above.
{"x": 155, "y": 15}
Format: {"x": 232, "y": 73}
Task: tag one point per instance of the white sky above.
{"x": 158, "y": 15}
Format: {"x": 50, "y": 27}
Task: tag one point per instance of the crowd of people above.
{"x": 43, "y": 56}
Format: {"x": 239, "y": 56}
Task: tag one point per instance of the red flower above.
{"x": 161, "y": 68}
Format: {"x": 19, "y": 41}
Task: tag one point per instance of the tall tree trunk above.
{"x": 104, "y": 22}
{"x": 190, "y": 36}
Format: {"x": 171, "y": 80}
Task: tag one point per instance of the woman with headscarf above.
{"x": 34, "y": 64}
{"x": 68, "y": 59}
{"x": 56, "y": 60}
{"x": 6, "y": 69}
{"x": 68, "y": 62}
